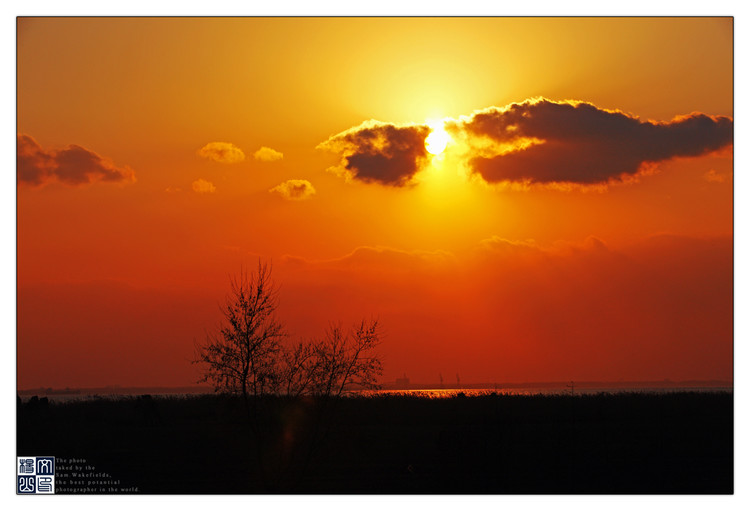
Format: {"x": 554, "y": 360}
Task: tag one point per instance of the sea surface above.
{"x": 531, "y": 391}
{"x": 434, "y": 393}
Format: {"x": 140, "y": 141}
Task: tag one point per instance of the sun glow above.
{"x": 438, "y": 138}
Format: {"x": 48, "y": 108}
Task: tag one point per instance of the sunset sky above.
{"x": 576, "y": 222}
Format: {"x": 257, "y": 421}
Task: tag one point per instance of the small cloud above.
{"x": 222, "y": 152}
{"x": 714, "y": 177}
{"x": 203, "y": 186}
{"x": 267, "y": 154}
{"x": 294, "y": 189}
{"x": 172, "y": 189}
{"x": 73, "y": 165}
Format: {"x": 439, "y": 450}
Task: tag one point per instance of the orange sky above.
{"x": 579, "y": 224}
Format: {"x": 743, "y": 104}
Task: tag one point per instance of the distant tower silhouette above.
{"x": 441, "y": 381}
{"x": 572, "y": 387}
{"x": 458, "y": 381}
{"x": 402, "y": 383}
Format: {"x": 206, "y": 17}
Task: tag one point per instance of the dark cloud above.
{"x": 74, "y": 165}
{"x": 376, "y": 152}
{"x": 543, "y": 141}
{"x": 33, "y": 164}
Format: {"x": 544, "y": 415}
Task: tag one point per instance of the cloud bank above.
{"x": 294, "y": 189}
{"x": 222, "y": 152}
{"x": 383, "y": 153}
{"x": 379, "y": 262}
{"x": 267, "y": 154}
{"x": 73, "y": 165}
{"x": 522, "y": 310}
{"x": 545, "y": 142}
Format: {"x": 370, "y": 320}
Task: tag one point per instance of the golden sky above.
{"x": 577, "y": 225}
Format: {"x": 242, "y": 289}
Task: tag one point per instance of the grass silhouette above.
{"x": 641, "y": 443}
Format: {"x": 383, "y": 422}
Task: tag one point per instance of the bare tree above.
{"x": 347, "y": 359}
{"x": 299, "y": 369}
{"x": 247, "y": 357}
{"x": 338, "y": 362}
{"x": 243, "y": 357}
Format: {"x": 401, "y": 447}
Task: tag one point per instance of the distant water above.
{"x": 548, "y": 391}
{"x": 82, "y": 396}
{"x": 429, "y": 393}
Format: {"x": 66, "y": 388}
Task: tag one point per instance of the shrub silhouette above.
{"x": 248, "y": 357}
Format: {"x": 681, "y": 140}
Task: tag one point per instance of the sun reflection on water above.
{"x": 447, "y": 393}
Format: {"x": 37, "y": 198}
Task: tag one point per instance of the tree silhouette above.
{"x": 247, "y": 356}
{"x": 346, "y": 359}
{"x": 243, "y": 357}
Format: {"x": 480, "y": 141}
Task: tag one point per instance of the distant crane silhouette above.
{"x": 572, "y": 387}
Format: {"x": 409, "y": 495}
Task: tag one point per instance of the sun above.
{"x": 438, "y": 138}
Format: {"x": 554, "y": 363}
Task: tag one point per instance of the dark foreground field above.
{"x": 623, "y": 443}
